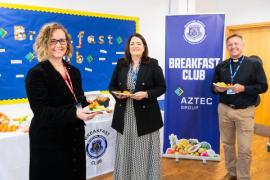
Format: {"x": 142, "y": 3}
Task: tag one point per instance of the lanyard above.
{"x": 236, "y": 70}
{"x": 69, "y": 84}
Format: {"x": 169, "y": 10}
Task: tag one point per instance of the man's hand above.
{"x": 237, "y": 88}
{"x": 220, "y": 89}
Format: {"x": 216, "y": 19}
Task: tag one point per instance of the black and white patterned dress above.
{"x": 137, "y": 158}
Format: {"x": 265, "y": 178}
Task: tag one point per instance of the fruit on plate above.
{"x": 126, "y": 92}
{"x": 223, "y": 84}
{"x": 204, "y": 154}
{"x": 190, "y": 147}
{"x": 20, "y": 119}
{"x": 93, "y": 104}
{"x": 205, "y": 145}
{"x": 4, "y": 119}
{"x": 8, "y": 128}
{"x": 123, "y": 92}
{"x": 98, "y": 108}
{"x": 201, "y": 150}
{"x": 103, "y": 100}
{"x": 170, "y": 151}
{"x": 193, "y": 141}
{"x": 194, "y": 148}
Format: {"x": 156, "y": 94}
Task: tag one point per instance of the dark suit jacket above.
{"x": 150, "y": 78}
{"x": 56, "y": 135}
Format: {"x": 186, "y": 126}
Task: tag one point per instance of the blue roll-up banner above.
{"x": 194, "y": 47}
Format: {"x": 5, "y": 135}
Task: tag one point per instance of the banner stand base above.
{"x": 202, "y": 158}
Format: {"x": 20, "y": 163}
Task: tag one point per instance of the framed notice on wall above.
{"x": 98, "y": 42}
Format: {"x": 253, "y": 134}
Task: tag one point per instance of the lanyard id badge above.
{"x": 230, "y": 91}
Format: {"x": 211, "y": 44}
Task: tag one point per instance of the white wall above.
{"x": 181, "y": 6}
{"x": 237, "y": 11}
{"x": 151, "y": 15}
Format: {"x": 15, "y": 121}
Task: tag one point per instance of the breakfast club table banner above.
{"x": 100, "y": 146}
{"x": 194, "y": 46}
{"x": 98, "y": 41}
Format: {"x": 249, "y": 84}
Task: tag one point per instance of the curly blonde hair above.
{"x": 43, "y": 38}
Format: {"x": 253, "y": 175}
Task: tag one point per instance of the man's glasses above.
{"x": 55, "y": 41}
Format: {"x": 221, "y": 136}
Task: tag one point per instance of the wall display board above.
{"x": 98, "y": 41}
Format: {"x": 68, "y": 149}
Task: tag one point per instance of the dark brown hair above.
{"x": 145, "y": 58}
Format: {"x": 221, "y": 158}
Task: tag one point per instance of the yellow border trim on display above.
{"x": 71, "y": 12}
{"x": 13, "y": 101}
{"x": 61, "y": 11}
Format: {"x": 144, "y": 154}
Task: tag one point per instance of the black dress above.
{"x": 57, "y": 146}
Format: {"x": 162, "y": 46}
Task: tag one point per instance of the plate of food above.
{"x": 223, "y": 85}
{"x": 4, "y": 119}
{"x": 124, "y": 93}
{"x": 100, "y": 99}
{"x": 95, "y": 107}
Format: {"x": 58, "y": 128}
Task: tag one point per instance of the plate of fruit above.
{"x": 96, "y": 107}
{"x": 6, "y": 125}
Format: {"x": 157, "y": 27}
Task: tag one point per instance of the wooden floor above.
{"x": 196, "y": 170}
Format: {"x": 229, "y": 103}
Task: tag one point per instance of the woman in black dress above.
{"x": 54, "y": 88}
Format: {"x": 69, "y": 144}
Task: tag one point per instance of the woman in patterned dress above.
{"x": 137, "y": 118}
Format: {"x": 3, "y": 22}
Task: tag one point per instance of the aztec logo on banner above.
{"x": 194, "y": 45}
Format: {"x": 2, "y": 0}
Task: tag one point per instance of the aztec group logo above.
{"x": 179, "y": 91}
{"x": 194, "y": 32}
{"x": 191, "y": 102}
{"x": 96, "y": 146}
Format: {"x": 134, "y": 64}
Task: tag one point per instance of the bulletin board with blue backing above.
{"x": 98, "y": 42}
